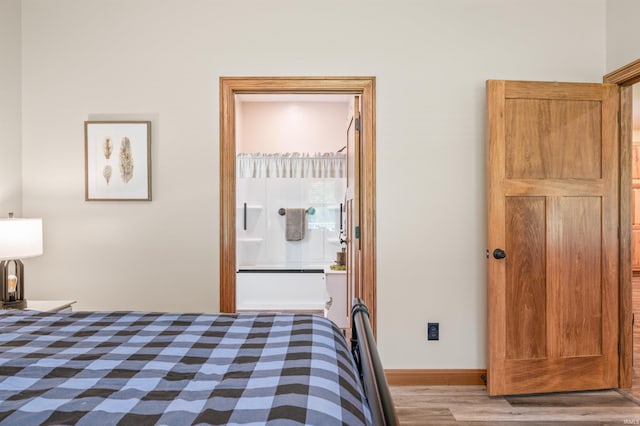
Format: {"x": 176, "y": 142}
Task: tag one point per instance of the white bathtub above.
{"x": 281, "y": 287}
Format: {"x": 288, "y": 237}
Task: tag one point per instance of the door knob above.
{"x": 499, "y": 254}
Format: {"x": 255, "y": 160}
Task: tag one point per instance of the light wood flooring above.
{"x": 470, "y": 405}
{"x": 634, "y": 392}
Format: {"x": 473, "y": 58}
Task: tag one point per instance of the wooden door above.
{"x": 553, "y": 208}
{"x": 352, "y": 203}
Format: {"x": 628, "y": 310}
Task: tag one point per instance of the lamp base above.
{"x": 16, "y": 304}
{"x": 13, "y": 299}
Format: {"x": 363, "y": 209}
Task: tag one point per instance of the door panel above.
{"x": 581, "y": 276}
{"x": 536, "y": 145}
{"x": 526, "y": 328}
{"x": 636, "y": 206}
{"x": 635, "y": 161}
{"x": 553, "y": 208}
{"x": 636, "y": 249}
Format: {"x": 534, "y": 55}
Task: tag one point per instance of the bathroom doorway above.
{"x": 290, "y": 197}
{"x": 364, "y": 87}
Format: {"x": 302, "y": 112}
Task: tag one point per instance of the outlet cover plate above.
{"x": 433, "y": 331}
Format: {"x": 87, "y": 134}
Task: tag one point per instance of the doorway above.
{"x": 232, "y": 86}
{"x": 635, "y": 229}
{"x": 625, "y": 77}
{"x": 290, "y": 197}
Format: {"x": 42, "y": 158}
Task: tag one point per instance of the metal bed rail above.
{"x": 365, "y": 353}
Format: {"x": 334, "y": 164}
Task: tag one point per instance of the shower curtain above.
{"x": 291, "y": 165}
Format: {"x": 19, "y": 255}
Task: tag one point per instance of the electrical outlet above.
{"x": 433, "y": 331}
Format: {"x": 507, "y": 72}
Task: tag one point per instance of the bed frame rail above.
{"x": 365, "y": 353}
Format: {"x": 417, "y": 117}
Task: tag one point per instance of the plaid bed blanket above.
{"x": 135, "y": 368}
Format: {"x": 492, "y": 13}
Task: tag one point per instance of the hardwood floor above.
{"x": 470, "y": 405}
{"x": 634, "y": 392}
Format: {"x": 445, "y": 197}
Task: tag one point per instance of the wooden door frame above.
{"x": 229, "y": 87}
{"x": 625, "y": 77}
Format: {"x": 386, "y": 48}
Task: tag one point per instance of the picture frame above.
{"x": 117, "y": 160}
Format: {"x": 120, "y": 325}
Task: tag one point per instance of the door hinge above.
{"x": 357, "y": 124}
{"x": 357, "y": 232}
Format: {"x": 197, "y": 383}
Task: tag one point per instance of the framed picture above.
{"x": 117, "y": 156}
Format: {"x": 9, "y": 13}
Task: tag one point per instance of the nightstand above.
{"x": 50, "y": 305}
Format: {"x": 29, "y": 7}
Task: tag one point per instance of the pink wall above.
{"x": 271, "y": 127}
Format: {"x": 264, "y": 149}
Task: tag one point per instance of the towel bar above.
{"x": 310, "y": 210}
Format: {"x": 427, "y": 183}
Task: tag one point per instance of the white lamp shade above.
{"x": 20, "y": 238}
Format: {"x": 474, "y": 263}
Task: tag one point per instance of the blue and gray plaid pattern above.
{"x": 134, "y": 368}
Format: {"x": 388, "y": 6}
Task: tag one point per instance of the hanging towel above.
{"x": 295, "y": 224}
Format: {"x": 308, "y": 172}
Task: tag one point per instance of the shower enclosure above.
{"x": 274, "y": 273}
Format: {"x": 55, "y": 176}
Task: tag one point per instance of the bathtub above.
{"x": 281, "y": 287}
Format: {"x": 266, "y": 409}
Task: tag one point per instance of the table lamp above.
{"x": 19, "y": 239}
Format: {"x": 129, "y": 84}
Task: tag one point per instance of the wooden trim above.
{"x": 460, "y": 377}
{"x": 625, "y": 77}
{"x": 495, "y": 229}
{"x": 368, "y": 264}
{"x": 229, "y": 87}
{"x": 227, "y": 198}
{"x": 626, "y": 235}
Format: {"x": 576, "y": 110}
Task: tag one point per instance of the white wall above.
{"x": 164, "y": 58}
{"x": 623, "y": 40}
{"x": 10, "y": 109}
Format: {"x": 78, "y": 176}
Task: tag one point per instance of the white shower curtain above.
{"x": 291, "y": 165}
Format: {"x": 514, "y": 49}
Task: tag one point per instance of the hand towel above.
{"x": 295, "y": 224}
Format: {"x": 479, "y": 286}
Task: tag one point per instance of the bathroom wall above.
{"x": 294, "y": 124}
{"x": 263, "y": 242}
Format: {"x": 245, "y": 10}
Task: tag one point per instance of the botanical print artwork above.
{"x": 117, "y": 160}
{"x": 107, "y": 173}
{"x": 126, "y": 160}
{"x": 107, "y": 147}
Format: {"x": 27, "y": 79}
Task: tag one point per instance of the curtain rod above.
{"x": 275, "y": 156}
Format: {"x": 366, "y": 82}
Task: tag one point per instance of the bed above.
{"x": 137, "y": 368}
